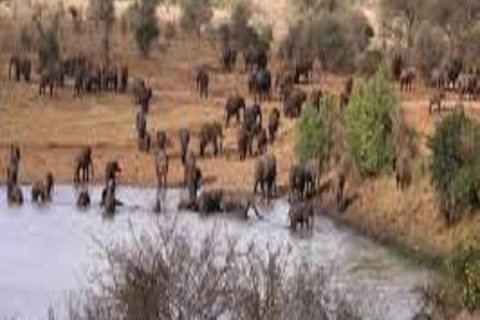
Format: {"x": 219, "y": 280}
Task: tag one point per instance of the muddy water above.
{"x": 48, "y": 253}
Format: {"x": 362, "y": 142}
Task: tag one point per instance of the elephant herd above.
{"x": 86, "y": 76}
{"x": 256, "y": 132}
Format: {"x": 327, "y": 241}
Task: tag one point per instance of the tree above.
{"x": 195, "y": 13}
{"x": 146, "y": 25}
{"x": 312, "y": 140}
{"x": 369, "y": 124}
{"x": 401, "y": 18}
{"x": 103, "y": 13}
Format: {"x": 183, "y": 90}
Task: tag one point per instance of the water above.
{"x": 46, "y": 254}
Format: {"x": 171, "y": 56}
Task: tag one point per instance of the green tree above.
{"x": 312, "y": 139}
{"x": 146, "y": 25}
{"x": 369, "y": 125}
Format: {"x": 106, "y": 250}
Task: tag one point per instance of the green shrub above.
{"x": 369, "y": 124}
{"x": 49, "y": 48}
{"x": 455, "y": 164}
{"x": 312, "y": 140}
{"x": 146, "y": 31}
{"x": 465, "y": 267}
{"x": 369, "y": 62}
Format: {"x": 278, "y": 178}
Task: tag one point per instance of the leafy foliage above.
{"x": 146, "y": 25}
{"x": 336, "y": 37}
{"x": 455, "y": 169}
{"x": 465, "y": 267}
{"x": 49, "y": 48}
{"x": 369, "y": 122}
{"x": 312, "y": 141}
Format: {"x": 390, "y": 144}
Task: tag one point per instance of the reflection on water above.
{"x": 47, "y": 253}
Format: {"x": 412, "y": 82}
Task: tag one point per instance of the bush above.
{"x": 369, "y": 62}
{"x": 146, "y": 31}
{"x": 171, "y": 276}
{"x": 312, "y": 141}
{"x": 455, "y": 167}
{"x": 338, "y": 38}
{"x": 465, "y": 267}
{"x": 429, "y": 50}
{"x": 195, "y": 13}
{"x": 49, "y": 48}
{"x": 369, "y": 123}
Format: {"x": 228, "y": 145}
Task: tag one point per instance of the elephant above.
{"x": 292, "y": 107}
{"x": 184, "y": 137}
{"x": 162, "y": 140}
{"x": 211, "y": 133}
{"x": 123, "y": 79}
{"x": 407, "y": 79}
{"x": 93, "y": 79}
{"x": 210, "y": 202}
{"x": 22, "y": 67}
{"x": 50, "y": 78}
{"x": 83, "y": 165}
{"x": 109, "y": 200}
{"x": 202, "y": 80}
{"x": 467, "y": 86}
{"x": 193, "y": 177}
{"x": 273, "y": 124}
{"x": 110, "y": 79}
{"x": 403, "y": 171}
{"x": 302, "y": 181}
{"x": 161, "y": 169}
{"x": 301, "y": 213}
{"x": 439, "y": 78}
{"x": 252, "y": 116}
{"x": 436, "y": 100}
{"x": 262, "y": 141}
{"x": 244, "y": 143}
{"x": 234, "y": 105}
{"x": 144, "y": 144}
{"x": 228, "y": 59}
{"x": 255, "y": 59}
{"x": 142, "y": 94}
{"x": 141, "y": 124}
{"x": 14, "y": 195}
{"x": 285, "y": 84}
{"x": 111, "y": 170}
{"x": 81, "y": 75}
{"x": 83, "y": 200}
{"x": 42, "y": 190}
{"x": 266, "y": 175}
{"x": 302, "y": 68}
{"x": 260, "y": 84}
{"x": 13, "y": 164}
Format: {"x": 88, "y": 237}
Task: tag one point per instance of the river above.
{"x": 47, "y": 254}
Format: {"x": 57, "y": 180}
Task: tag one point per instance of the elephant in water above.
{"x": 42, "y": 190}
{"x": 14, "y": 195}
{"x": 301, "y": 213}
{"x": 83, "y": 200}
{"x": 83, "y": 167}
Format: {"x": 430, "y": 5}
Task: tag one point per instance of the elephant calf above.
{"x": 293, "y": 104}
{"x": 83, "y": 167}
{"x": 202, "y": 80}
{"x": 302, "y": 180}
{"x": 273, "y": 125}
{"x": 83, "y": 200}
{"x": 42, "y": 190}
{"x": 301, "y": 213}
{"x": 235, "y": 104}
